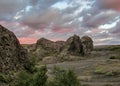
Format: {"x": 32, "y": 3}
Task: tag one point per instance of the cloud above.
{"x": 60, "y": 19}
{"x": 8, "y": 8}
{"x": 37, "y": 20}
{"x": 27, "y": 40}
{"x": 19, "y": 29}
{"x": 109, "y": 4}
{"x": 62, "y": 30}
{"x": 115, "y": 31}
{"x": 99, "y": 19}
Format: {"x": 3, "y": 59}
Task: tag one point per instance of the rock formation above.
{"x": 72, "y": 46}
{"x": 12, "y": 55}
{"x": 45, "y": 47}
{"x": 87, "y": 44}
{"x": 50, "y": 45}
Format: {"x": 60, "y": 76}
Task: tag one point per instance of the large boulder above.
{"x": 13, "y": 56}
{"x": 73, "y": 45}
{"x": 87, "y": 44}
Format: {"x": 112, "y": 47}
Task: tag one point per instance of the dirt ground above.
{"x": 101, "y": 68}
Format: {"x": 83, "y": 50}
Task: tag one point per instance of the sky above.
{"x": 60, "y": 19}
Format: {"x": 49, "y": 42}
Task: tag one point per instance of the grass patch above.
{"x": 108, "y": 69}
{"x": 99, "y": 71}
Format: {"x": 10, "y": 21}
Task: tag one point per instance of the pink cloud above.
{"x": 112, "y": 4}
{"x": 24, "y": 40}
{"x": 58, "y": 29}
{"x": 7, "y": 24}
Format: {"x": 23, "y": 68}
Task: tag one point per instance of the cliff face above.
{"x": 12, "y": 55}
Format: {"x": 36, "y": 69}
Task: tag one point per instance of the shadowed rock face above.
{"x": 87, "y": 44}
{"x": 12, "y": 56}
{"x": 73, "y": 45}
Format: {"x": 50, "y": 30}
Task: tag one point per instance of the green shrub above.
{"x": 32, "y": 62}
{"x": 23, "y": 79}
{"x": 64, "y": 78}
{"x": 5, "y": 78}
{"x": 40, "y": 78}
{"x": 2, "y": 79}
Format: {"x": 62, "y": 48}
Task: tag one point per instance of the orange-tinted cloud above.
{"x": 27, "y": 40}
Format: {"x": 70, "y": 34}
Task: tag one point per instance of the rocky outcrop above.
{"x": 45, "y": 47}
{"x": 72, "y": 46}
{"x": 87, "y": 44}
{"x": 49, "y": 45}
{"x": 12, "y": 55}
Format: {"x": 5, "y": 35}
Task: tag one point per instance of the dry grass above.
{"x": 108, "y": 69}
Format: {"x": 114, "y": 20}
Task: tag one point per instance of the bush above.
{"x": 2, "y": 79}
{"x": 5, "y": 78}
{"x": 32, "y": 62}
{"x": 23, "y": 79}
{"x": 64, "y": 78}
{"x": 38, "y": 78}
